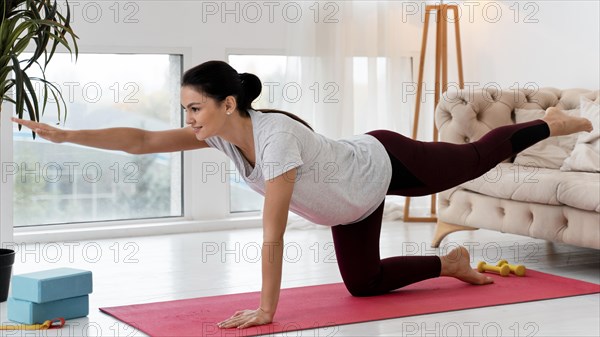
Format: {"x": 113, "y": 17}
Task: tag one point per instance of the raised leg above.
{"x": 563, "y": 124}
{"x": 423, "y": 168}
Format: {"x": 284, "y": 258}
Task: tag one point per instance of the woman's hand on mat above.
{"x": 246, "y": 318}
{"x": 43, "y": 130}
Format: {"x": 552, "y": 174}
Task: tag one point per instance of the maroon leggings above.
{"x": 420, "y": 168}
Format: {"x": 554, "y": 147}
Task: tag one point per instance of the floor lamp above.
{"x": 441, "y": 79}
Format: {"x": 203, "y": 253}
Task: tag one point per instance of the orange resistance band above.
{"x": 56, "y": 323}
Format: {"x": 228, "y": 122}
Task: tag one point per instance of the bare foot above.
{"x": 456, "y": 264}
{"x": 562, "y": 124}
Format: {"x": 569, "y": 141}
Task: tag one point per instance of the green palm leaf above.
{"x": 39, "y": 23}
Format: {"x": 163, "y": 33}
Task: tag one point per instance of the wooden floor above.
{"x": 160, "y": 268}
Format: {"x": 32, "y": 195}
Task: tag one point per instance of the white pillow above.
{"x": 550, "y": 152}
{"x": 586, "y": 153}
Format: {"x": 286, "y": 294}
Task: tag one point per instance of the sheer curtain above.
{"x": 355, "y": 64}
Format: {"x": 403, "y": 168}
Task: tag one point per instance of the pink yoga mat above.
{"x": 331, "y": 304}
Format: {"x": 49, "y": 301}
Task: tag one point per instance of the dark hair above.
{"x": 217, "y": 80}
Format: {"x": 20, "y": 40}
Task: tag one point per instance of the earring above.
{"x": 229, "y": 112}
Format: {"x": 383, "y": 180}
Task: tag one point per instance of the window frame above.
{"x": 202, "y": 211}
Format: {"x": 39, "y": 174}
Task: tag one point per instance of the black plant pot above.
{"x": 7, "y": 258}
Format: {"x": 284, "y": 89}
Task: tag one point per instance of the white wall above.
{"x": 549, "y": 43}
{"x": 554, "y": 43}
{"x": 197, "y": 25}
{"x": 6, "y": 212}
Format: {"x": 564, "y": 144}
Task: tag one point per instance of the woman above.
{"x": 340, "y": 183}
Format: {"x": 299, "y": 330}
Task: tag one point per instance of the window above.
{"x": 271, "y": 70}
{"x": 67, "y": 183}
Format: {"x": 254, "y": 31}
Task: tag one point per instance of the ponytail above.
{"x": 289, "y": 114}
{"x": 217, "y": 79}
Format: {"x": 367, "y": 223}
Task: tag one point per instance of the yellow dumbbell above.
{"x": 518, "y": 269}
{"x": 503, "y": 270}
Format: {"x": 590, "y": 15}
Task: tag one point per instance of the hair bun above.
{"x": 251, "y": 85}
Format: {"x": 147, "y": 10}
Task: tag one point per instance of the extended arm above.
{"x": 131, "y": 140}
{"x": 277, "y": 203}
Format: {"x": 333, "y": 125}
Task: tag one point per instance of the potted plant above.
{"x": 23, "y": 23}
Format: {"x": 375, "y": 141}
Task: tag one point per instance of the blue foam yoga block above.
{"x": 51, "y": 285}
{"x": 26, "y": 312}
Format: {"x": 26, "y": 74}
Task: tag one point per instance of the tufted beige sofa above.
{"x": 543, "y": 203}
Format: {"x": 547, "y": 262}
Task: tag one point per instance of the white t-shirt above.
{"x": 338, "y": 181}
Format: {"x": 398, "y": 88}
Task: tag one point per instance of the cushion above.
{"x": 540, "y": 185}
{"x": 585, "y": 156}
{"x": 550, "y": 152}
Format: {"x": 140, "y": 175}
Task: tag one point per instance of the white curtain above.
{"x": 352, "y": 66}
{"x": 356, "y": 69}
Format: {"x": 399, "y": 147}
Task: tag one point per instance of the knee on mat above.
{"x": 361, "y": 289}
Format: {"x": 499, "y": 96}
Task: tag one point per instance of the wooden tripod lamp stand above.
{"x": 441, "y": 79}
